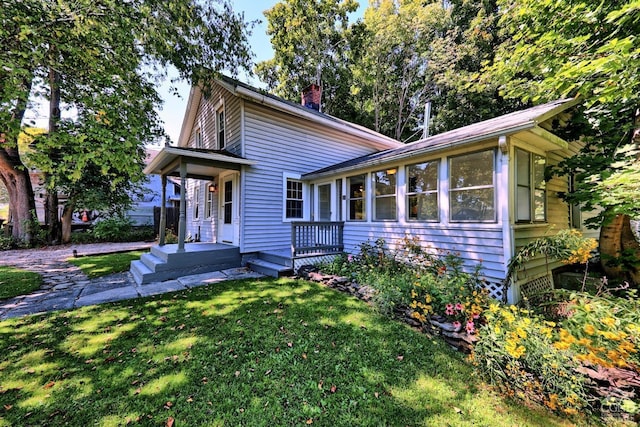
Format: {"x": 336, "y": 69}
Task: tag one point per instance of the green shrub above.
{"x": 82, "y": 237}
{"x": 112, "y": 229}
{"x": 6, "y": 243}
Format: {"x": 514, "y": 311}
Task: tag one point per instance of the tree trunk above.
{"x": 22, "y": 205}
{"x": 51, "y": 207}
{"x": 67, "y": 217}
{"x": 617, "y": 239}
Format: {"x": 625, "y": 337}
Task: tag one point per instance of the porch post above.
{"x": 182, "y": 222}
{"x": 163, "y": 212}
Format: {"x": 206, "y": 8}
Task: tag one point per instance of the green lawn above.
{"x": 254, "y": 353}
{"x": 102, "y": 265}
{"x": 14, "y": 282}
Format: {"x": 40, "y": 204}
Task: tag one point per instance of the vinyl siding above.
{"x": 282, "y": 143}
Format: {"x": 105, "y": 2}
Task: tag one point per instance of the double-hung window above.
{"x": 422, "y": 191}
{"x": 357, "y": 188}
{"x": 196, "y": 201}
{"x": 210, "y": 200}
{"x": 294, "y": 202}
{"x": 198, "y": 139}
{"x": 472, "y": 188}
{"x": 220, "y": 125}
{"x": 384, "y": 201}
{"x": 531, "y": 193}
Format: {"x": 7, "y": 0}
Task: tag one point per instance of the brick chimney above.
{"x": 311, "y": 96}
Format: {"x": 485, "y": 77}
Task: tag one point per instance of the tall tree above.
{"x": 394, "y": 72}
{"x": 99, "y": 61}
{"x": 312, "y": 41}
{"x": 588, "y": 49}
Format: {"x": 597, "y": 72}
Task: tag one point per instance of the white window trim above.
{"x": 305, "y": 197}
{"x": 450, "y": 190}
{"x": 374, "y": 197}
{"x": 197, "y": 140}
{"x": 209, "y": 202}
{"x": 365, "y": 198}
{"x": 437, "y": 191}
{"x": 197, "y": 208}
{"x": 532, "y": 188}
{"x": 332, "y": 201}
{"x": 220, "y": 106}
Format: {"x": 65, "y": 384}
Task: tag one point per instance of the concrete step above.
{"x": 152, "y": 261}
{"x": 277, "y": 257}
{"x": 269, "y": 268}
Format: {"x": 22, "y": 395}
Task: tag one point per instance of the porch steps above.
{"x": 166, "y": 263}
{"x": 272, "y": 263}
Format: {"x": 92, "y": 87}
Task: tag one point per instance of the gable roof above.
{"x": 508, "y": 124}
{"x": 259, "y": 96}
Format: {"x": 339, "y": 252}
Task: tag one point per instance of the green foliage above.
{"x": 588, "y": 49}
{"x": 6, "y": 243}
{"x": 313, "y": 43}
{"x": 103, "y": 62}
{"x": 516, "y": 352}
{"x": 101, "y": 265}
{"x": 14, "y": 282}
{"x": 113, "y": 229}
{"x": 240, "y": 353}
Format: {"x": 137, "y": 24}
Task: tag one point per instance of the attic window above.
{"x": 471, "y": 187}
{"x": 220, "y": 126}
{"x": 531, "y": 193}
{"x": 198, "y": 141}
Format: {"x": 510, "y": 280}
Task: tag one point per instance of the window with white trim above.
{"x": 384, "y": 199}
{"x": 294, "y": 201}
{"x": 531, "y": 192}
{"x": 210, "y": 200}
{"x": 422, "y": 191}
{"x": 357, "y": 188}
{"x": 198, "y": 139}
{"x": 220, "y": 126}
{"x": 196, "y": 202}
{"x": 472, "y": 187}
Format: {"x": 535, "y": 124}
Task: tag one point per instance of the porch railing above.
{"x": 316, "y": 238}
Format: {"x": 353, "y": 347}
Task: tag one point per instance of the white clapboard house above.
{"x": 273, "y": 185}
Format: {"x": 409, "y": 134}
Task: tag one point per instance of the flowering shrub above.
{"x": 602, "y": 331}
{"x": 516, "y": 351}
{"x": 451, "y": 294}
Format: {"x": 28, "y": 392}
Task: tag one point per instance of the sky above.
{"x": 174, "y": 106}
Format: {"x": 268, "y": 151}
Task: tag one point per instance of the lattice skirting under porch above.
{"x": 495, "y": 290}
{"x": 534, "y": 289}
{"x": 311, "y": 260}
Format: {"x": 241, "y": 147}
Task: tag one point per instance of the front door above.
{"x": 228, "y": 213}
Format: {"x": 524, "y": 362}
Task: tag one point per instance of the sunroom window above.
{"x": 220, "y": 123}
{"x": 357, "y": 189}
{"x": 385, "y": 196}
{"x": 471, "y": 187}
{"x": 531, "y": 193}
{"x": 422, "y": 191}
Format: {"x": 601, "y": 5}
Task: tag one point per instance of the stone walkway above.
{"x": 66, "y": 286}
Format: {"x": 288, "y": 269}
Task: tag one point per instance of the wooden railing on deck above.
{"x": 316, "y": 238}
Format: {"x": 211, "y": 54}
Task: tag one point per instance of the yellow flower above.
{"x": 427, "y": 299}
{"x": 589, "y": 329}
{"x": 561, "y": 345}
{"x": 493, "y": 308}
{"x": 609, "y": 321}
{"x": 521, "y": 333}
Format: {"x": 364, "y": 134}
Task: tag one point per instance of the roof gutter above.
{"x": 262, "y": 99}
{"x": 426, "y": 150}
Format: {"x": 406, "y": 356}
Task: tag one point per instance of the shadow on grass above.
{"x": 239, "y": 353}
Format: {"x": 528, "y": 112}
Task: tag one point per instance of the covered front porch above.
{"x": 218, "y": 168}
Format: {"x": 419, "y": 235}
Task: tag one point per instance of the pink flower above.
{"x": 476, "y": 315}
{"x": 459, "y": 307}
{"x": 350, "y": 258}
{"x": 470, "y": 327}
{"x": 457, "y": 325}
{"x": 449, "y": 309}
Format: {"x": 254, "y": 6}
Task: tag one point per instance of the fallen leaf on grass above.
{"x": 268, "y": 372}
{"x": 138, "y": 391}
{"x": 237, "y": 374}
{"x": 333, "y": 388}
{"x": 304, "y": 356}
{"x": 49, "y": 385}
{"x": 168, "y": 405}
{"x": 400, "y": 357}
{"x": 376, "y": 394}
{"x": 310, "y": 421}
{"x": 458, "y": 410}
{"x": 7, "y": 407}
{"x": 170, "y": 421}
